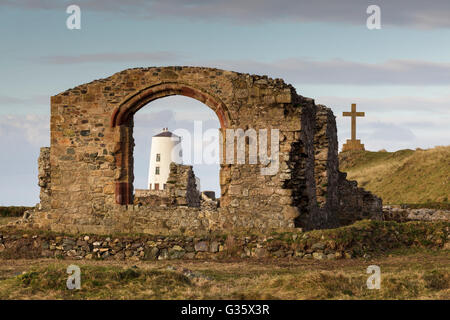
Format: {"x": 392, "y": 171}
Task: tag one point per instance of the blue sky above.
{"x": 399, "y": 75}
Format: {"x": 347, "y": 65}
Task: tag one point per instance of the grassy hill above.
{"x": 401, "y": 177}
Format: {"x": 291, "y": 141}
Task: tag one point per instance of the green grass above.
{"x": 428, "y": 205}
{"x": 98, "y": 282}
{"x": 415, "y": 177}
{"x": 405, "y": 274}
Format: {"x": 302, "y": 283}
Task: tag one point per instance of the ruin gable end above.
{"x": 86, "y": 176}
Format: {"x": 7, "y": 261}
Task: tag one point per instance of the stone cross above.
{"x": 353, "y": 144}
{"x": 353, "y": 114}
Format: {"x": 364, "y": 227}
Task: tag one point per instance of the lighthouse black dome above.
{"x": 165, "y": 133}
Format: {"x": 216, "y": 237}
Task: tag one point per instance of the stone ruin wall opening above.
{"x": 122, "y": 118}
{"x": 87, "y": 173}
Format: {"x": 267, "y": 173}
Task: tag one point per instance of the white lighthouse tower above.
{"x": 161, "y": 155}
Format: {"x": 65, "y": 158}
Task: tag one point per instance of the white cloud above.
{"x": 34, "y": 129}
{"x": 343, "y": 72}
{"x": 20, "y": 140}
{"x": 386, "y": 132}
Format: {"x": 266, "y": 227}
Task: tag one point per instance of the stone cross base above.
{"x": 353, "y": 145}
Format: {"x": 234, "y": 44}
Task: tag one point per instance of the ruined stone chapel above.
{"x": 86, "y": 175}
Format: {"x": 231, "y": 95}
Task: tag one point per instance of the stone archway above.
{"x": 122, "y": 113}
{"x": 122, "y": 120}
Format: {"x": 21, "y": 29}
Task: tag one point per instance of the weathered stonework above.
{"x": 405, "y": 214}
{"x": 91, "y": 156}
{"x": 181, "y": 186}
{"x": 146, "y": 197}
{"x": 44, "y": 178}
{"x": 365, "y": 238}
{"x": 356, "y": 203}
{"x": 326, "y": 166}
{"x": 181, "y": 190}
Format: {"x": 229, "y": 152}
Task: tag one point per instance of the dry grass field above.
{"x": 6, "y": 220}
{"x": 405, "y": 274}
{"x": 405, "y": 176}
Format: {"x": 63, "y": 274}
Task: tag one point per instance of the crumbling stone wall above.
{"x": 181, "y": 190}
{"x": 182, "y": 187}
{"x": 44, "y": 178}
{"x": 148, "y": 197}
{"x": 356, "y": 203}
{"x": 298, "y": 173}
{"x": 340, "y": 201}
{"x": 91, "y": 154}
{"x": 326, "y": 167}
{"x": 326, "y": 156}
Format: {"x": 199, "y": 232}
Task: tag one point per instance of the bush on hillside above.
{"x": 13, "y": 211}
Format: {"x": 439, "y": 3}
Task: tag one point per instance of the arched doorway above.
{"x": 122, "y": 121}
{"x": 196, "y": 125}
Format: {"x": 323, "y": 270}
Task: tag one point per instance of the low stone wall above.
{"x": 154, "y": 220}
{"x": 395, "y": 213}
{"x": 151, "y": 197}
{"x": 359, "y": 240}
{"x": 141, "y": 193}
